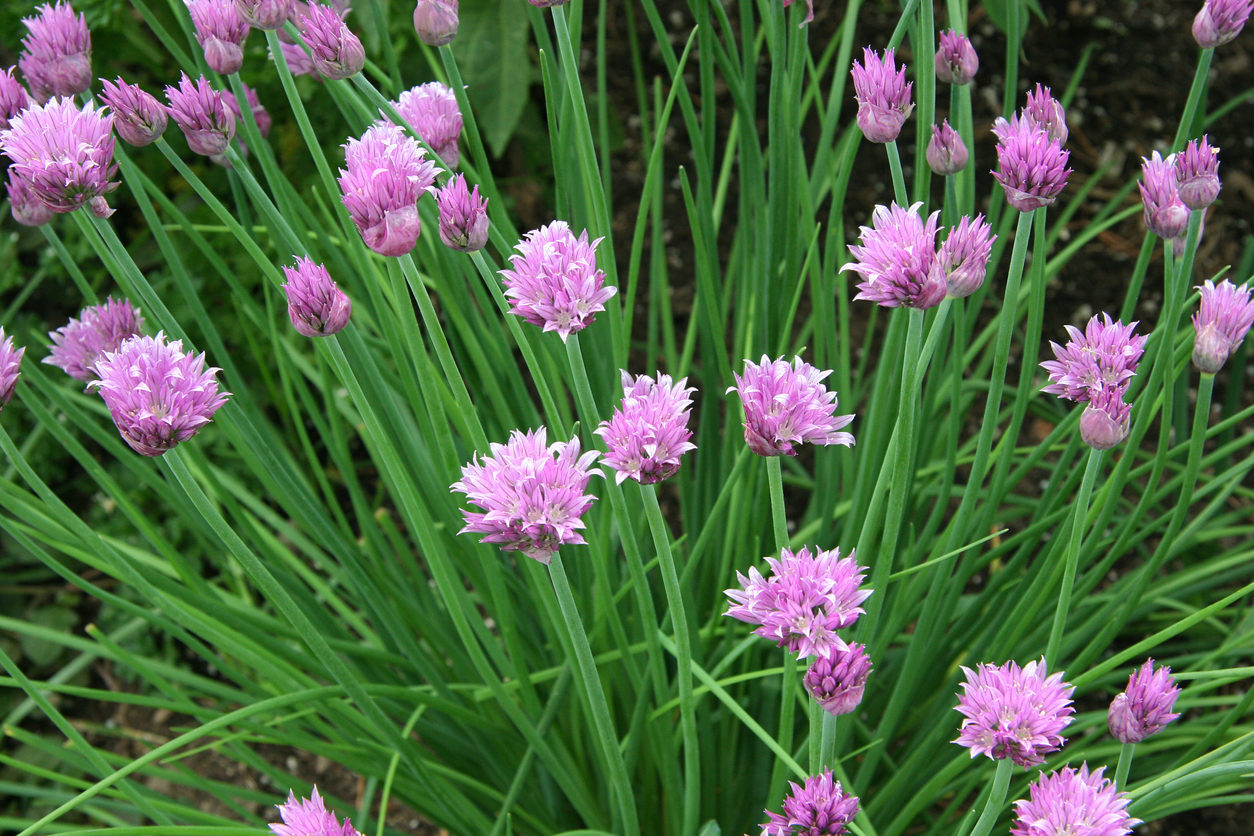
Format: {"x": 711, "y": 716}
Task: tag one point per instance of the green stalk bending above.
{"x": 1073, "y": 556}
{"x": 1125, "y": 764}
{"x": 1195, "y": 97}
{"x": 779, "y": 518}
{"x": 787, "y": 705}
{"x": 899, "y": 179}
{"x": 1001, "y": 783}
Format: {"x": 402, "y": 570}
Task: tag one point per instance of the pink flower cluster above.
{"x": 1221, "y": 323}
{"x": 1094, "y": 369}
{"x": 10, "y": 367}
{"x": 553, "y": 280}
{"x": 56, "y": 54}
{"x": 386, "y": 172}
{"x": 309, "y": 817}
{"x": 99, "y": 329}
{"x": 786, "y": 405}
{"x": 820, "y": 808}
{"x": 63, "y": 154}
{"x": 648, "y": 432}
{"x": 1032, "y": 162}
{"x": 1144, "y": 707}
{"x": 1073, "y": 802}
{"x": 838, "y": 681}
{"x": 883, "y": 96}
{"x": 431, "y": 110}
{"x": 1013, "y": 712}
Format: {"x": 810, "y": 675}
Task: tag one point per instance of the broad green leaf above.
{"x": 491, "y": 48}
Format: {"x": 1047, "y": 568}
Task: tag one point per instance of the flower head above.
{"x": 10, "y": 367}
{"x": 137, "y": 116}
{"x": 820, "y": 808}
{"x": 315, "y": 303}
{"x": 207, "y": 121}
{"x": 883, "y": 96}
{"x": 806, "y": 599}
{"x": 946, "y": 153}
{"x": 431, "y": 110}
{"x": 1197, "y": 174}
{"x": 386, "y": 172}
{"x": 1165, "y": 214}
{"x": 13, "y": 98}
{"x": 221, "y": 33}
{"x": 1012, "y": 712}
{"x": 99, "y": 329}
{"x": 337, "y": 52}
{"x": 158, "y": 394}
{"x": 895, "y": 259}
{"x": 786, "y": 405}
{"x": 1045, "y": 112}
{"x": 963, "y": 258}
{"x": 463, "y": 216}
{"x": 839, "y": 680}
{"x": 956, "y": 61}
{"x": 1104, "y": 355}
{"x": 1033, "y": 166}
{"x": 531, "y": 492}
{"x": 435, "y": 21}
{"x": 1219, "y": 21}
{"x": 1073, "y": 803}
{"x": 648, "y": 431}
{"x": 1144, "y": 707}
{"x": 309, "y": 817}
{"x": 264, "y": 14}
{"x": 1221, "y": 323}
{"x": 56, "y": 54}
{"x": 64, "y": 154}
{"x": 1104, "y": 422}
{"x": 554, "y": 282}
{"x": 27, "y": 209}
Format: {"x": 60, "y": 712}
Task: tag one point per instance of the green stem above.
{"x": 1073, "y": 556}
{"x": 80, "y": 281}
{"x": 1125, "y": 764}
{"x": 996, "y": 798}
{"x": 779, "y": 518}
{"x": 1195, "y": 97}
{"x": 787, "y": 711}
{"x": 899, "y": 179}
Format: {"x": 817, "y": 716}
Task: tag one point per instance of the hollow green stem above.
{"x": 787, "y": 711}
{"x": 1125, "y": 764}
{"x": 1195, "y": 97}
{"x": 996, "y": 798}
{"x": 779, "y": 518}
{"x": 899, "y": 179}
{"x": 1073, "y": 556}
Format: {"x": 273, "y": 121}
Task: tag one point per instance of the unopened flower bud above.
{"x": 1197, "y": 173}
{"x": 27, "y": 209}
{"x": 946, "y": 153}
{"x": 221, "y": 32}
{"x": 137, "y": 116}
{"x": 1219, "y": 21}
{"x": 56, "y": 55}
{"x": 1221, "y": 323}
{"x": 883, "y": 96}
{"x": 1165, "y": 215}
{"x": 10, "y": 367}
{"x": 435, "y": 21}
{"x": 337, "y": 52}
{"x": 13, "y": 98}
{"x": 264, "y": 14}
{"x": 838, "y": 681}
{"x": 1144, "y": 708}
{"x": 315, "y": 304}
{"x": 199, "y": 110}
{"x": 1104, "y": 422}
{"x": 956, "y": 61}
{"x": 963, "y": 258}
{"x": 463, "y": 216}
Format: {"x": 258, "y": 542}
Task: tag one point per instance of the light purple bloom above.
{"x": 431, "y": 110}
{"x": 956, "y": 61}
{"x": 315, "y": 303}
{"x": 1044, "y": 111}
{"x": 1219, "y": 21}
{"x": 806, "y": 599}
{"x": 1073, "y": 803}
{"x": 820, "y": 808}
{"x": 386, "y": 173}
{"x": 648, "y": 431}
{"x": 896, "y": 257}
{"x": 99, "y": 329}
{"x": 532, "y": 494}
{"x": 64, "y": 154}
{"x": 554, "y": 282}
{"x": 809, "y": 10}
{"x": 206, "y": 120}
{"x": 13, "y": 98}
{"x": 10, "y": 367}
{"x": 1144, "y": 707}
{"x": 786, "y": 405}
{"x": 300, "y": 10}
{"x": 221, "y": 33}
{"x": 1012, "y": 712}
{"x": 158, "y": 394}
{"x": 1165, "y": 214}
{"x": 1104, "y": 422}
{"x": 337, "y": 52}
{"x": 264, "y": 14}
{"x": 1197, "y": 174}
{"x": 1033, "y": 166}
{"x": 946, "y": 153}
{"x": 435, "y": 21}
{"x": 56, "y": 55}
{"x": 1103, "y": 355}
{"x": 883, "y": 96}
{"x": 137, "y": 116}
{"x": 27, "y": 209}
{"x": 838, "y": 681}
{"x": 463, "y": 216}
{"x": 963, "y": 259}
{"x": 1221, "y": 323}
{"x": 309, "y": 817}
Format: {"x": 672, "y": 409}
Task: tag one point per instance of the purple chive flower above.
{"x": 648, "y": 431}
{"x": 300, "y": 10}
{"x": 838, "y": 681}
{"x": 786, "y": 405}
{"x": 1165, "y": 214}
{"x": 99, "y": 329}
{"x": 64, "y": 154}
{"x": 1012, "y": 712}
{"x": 137, "y": 116}
{"x": 158, "y": 394}
{"x": 963, "y": 258}
{"x": 221, "y": 33}
{"x": 809, "y": 10}
{"x": 1219, "y": 21}
{"x": 431, "y": 110}
{"x": 463, "y": 216}
{"x": 1144, "y": 707}
{"x": 56, "y": 55}
{"x": 264, "y": 14}
{"x": 309, "y": 817}
{"x": 896, "y": 257}
{"x": 207, "y": 121}
{"x": 882, "y": 94}
{"x": 1105, "y": 355}
{"x": 554, "y": 282}
{"x": 1044, "y": 111}
{"x": 337, "y": 52}
{"x": 1033, "y": 166}
{"x": 315, "y": 303}
{"x": 27, "y": 209}
{"x": 435, "y": 21}
{"x": 1197, "y": 174}
{"x": 10, "y": 367}
{"x": 13, "y": 98}
{"x": 956, "y": 61}
{"x": 532, "y": 494}
{"x": 1073, "y": 803}
{"x": 299, "y": 62}
{"x": 946, "y": 153}
{"x": 1220, "y": 324}
{"x": 820, "y": 808}
{"x": 386, "y": 173}
{"x": 1104, "y": 422}
{"x": 806, "y": 599}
